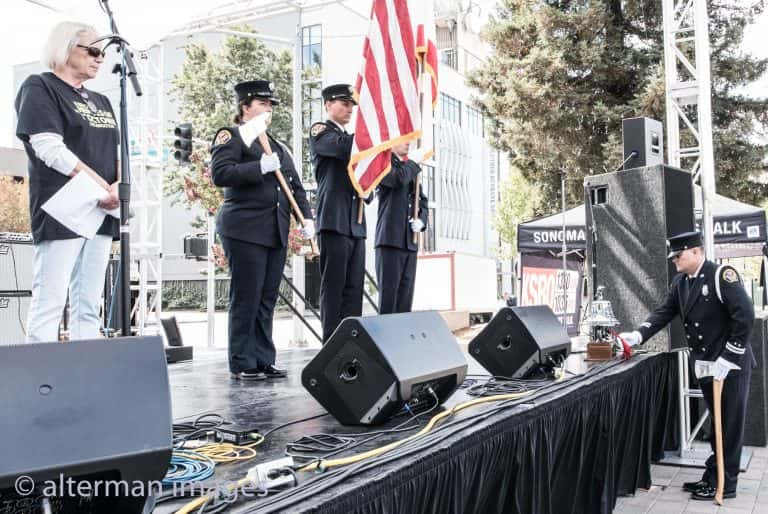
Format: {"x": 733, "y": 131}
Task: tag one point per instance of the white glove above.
{"x": 253, "y": 128}
{"x": 269, "y": 163}
{"x": 633, "y": 338}
{"x": 721, "y": 367}
{"x": 308, "y": 230}
{"x": 417, "y": 155}
{"x": 416, "y": 225}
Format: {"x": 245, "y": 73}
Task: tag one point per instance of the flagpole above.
{"x": 419, "y": 73}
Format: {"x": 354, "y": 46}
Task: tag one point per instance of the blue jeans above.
{"x": 74, "y": 265}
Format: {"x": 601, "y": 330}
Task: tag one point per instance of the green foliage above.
{"x": 565, "y": 73}
{"x": 517, "y": 204}
{"x": 204, "y": 90}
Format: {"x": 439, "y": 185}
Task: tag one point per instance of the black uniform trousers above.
{"x": 734, "y": 410}
{"x": 396, "y": 273}
{"x": 342, "y": 272}
{"x": 256, "y": 272}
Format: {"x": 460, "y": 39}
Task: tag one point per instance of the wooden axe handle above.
{"x": 264, "y": 140}
{"x": 717, "y": 393}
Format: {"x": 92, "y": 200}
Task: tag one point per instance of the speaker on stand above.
{"x": 631, "y": 214}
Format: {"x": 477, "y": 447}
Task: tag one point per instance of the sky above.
{"x": 24, "y": 25}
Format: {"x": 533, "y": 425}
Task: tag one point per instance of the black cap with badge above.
{"x": 263, "y": 89}
{"x": 339, "y": 92}
{"x": 686, "y": 240}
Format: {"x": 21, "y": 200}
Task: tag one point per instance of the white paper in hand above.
{"x": 76, "y": 207}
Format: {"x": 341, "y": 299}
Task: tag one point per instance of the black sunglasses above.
{"x": 93, "y": 51}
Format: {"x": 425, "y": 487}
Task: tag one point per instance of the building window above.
{"x": 311, "y": 46}
{"x": 447, "y": 44}
{"x": 450, "y": 109}
{"x": 475, "y": 121}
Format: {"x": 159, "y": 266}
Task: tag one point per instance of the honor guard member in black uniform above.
{"x": 341, "y": 237}
{"x": 253, "y": 226}
{"x": 717, "y": 316}
{"x": 395, "y": 249}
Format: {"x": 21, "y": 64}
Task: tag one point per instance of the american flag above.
{"x": 387, "y": 89}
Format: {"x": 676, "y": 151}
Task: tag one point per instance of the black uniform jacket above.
{"x": 717, "y": 316}
{"x": 395, "y": 193}
{"x": 255, "y": 209}
{"x": 337, "y": 201}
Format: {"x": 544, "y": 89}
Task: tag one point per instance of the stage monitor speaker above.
{"x": 14, "y": 307}
{"x": 520, "y": 339}
{"x": 85, "y": 411}
{"x": 756, "y": 423}
{"x": 644, "y": 137}
{"x": 372, "y": 366}
{"x": 17, "y": 260}
{"x": 630, "y": 215}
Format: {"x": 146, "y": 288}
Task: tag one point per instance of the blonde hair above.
{"x": 62, "y": 40}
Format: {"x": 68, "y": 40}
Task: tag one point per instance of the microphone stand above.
{"x": 126, "y": 69}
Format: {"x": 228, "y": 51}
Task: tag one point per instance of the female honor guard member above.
{"x": 341, "y": 237}
{"x": 395, "y": 227}
{"x": 253, "y": 226}
{"x": 717, "y": 317}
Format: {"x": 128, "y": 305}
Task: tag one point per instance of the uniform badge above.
{"x": 316, "y": 129}
{"x": 730, "y": 276}
{"x": 222, "y": 137}
{"x": 705, "y": 290}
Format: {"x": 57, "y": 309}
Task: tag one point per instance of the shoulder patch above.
{"x": 730, "y": 275}
{"x": 316, "y": 129}
{"x": 222, "y": 137}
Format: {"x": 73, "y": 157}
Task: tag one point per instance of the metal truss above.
{"x": 146, "y": 140}
{"x": 689, "y": 142}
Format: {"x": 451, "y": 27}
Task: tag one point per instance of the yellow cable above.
{"x": 378, "y": 451}
{"x": 199, "y": 502}
{"x": 191, "y": 506}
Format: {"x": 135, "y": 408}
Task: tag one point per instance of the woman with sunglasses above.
{"x": 67, "y": 129}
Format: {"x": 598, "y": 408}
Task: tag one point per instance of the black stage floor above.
{"x": 593, "y": 398}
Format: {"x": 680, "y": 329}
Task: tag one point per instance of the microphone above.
{"x": 632, "y": 155}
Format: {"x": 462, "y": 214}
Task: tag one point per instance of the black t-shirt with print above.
{"x": 46, "y": 103}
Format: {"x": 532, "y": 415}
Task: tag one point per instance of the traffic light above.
{"x": 183, "y": 142}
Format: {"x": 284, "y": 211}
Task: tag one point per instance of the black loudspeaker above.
{"x": 94, "y": 412}
{"x": 372, "y": 366}
{"x": 756, "y": 423}
{"x": 175, "y": 351}
{"x": 645, "y": 138}
{"x": 519, "y": 340}
{"x": 630, "y": 215}
{"x": 14, "y": 307}
{"x": 17, "y": 261}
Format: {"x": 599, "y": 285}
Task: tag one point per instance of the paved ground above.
{"x": 667, "y": 497}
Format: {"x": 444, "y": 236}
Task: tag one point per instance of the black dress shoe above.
{"x": 708, "y": 494}
{"x": 250, "y": 374}
{"x": 692, "y": 487}
{"x": 270, "y": 371}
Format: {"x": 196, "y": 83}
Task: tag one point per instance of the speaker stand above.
{"x": 688, "y": 455}
{"x": 696, "y": 457}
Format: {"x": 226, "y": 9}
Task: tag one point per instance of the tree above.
{"x": 573, "y": 69}
{"x": 204, "y": 90}
{"x": 517, "y": 204}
